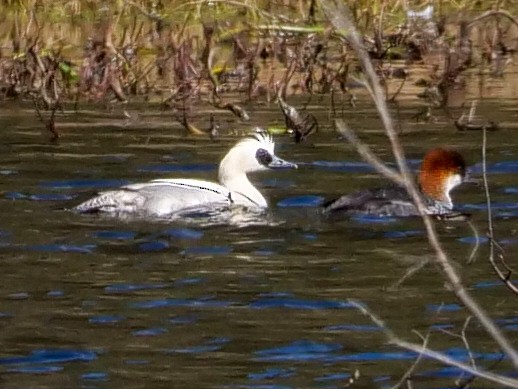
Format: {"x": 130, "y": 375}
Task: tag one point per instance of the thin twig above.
{"x": 154, "y": 17}
{"x": 477, "y": 241}
{"x": 465, "y": 341}
{"x": 366, "y": 153}
{"x": 505, "y": 278}
{"x": 410, "y": 272}
{"x": 398, "y": 91}
{"x": 408, "y": 373}
{"x": 489, "y": 14}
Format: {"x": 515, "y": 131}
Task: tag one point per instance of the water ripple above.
{"x": 300, "y": 350}
{"x": 442, "y": 326}
{"x": 84, "y": 183}
{"x": 504, "y": 167}
{"x": 153, "y": 246}
{"x": 271, "y": 373}
{"x": 190, "y": 167}
{"x": 183, "y": 320}
{"x": 376, "y": 356}
{"x": 207, "y": 250}
{"x": 305, "y": 350}
{"x": 51, "y": 197}
{"x": 278, "y": 183}
{"x": 343, "y": 166}
{"x": 8, "y": 172}
{"x": 36, "y": 369}
{"x": 496, "y": 206}
{"x": 443, "y": 307}
{"x": 128, "y": 288}
{"x": 402, "y": 234}
{"x": 444, "y": 372}
{"x": 188, "y": 281}
{"x": 307, "y": 201}
{"x": 95, "y": 376}
{"x": 173, "y": 302}
{"x": 55, "y": 293}
{"x": 106, "y": 319}
{"x": 114, "y": 235}
{"x": 333, "y": 377}
{"x": 63, "y": 248}
{"x": 297, "y": 303}
{"x": 182, "y": 233}
{"x": 373, "y": 219}
{"x": 353, "y": 327}
{"x": 14, "y": 196}
{"x": 259, "y": 386}
{"x": 150, "y": 331}
{"x": 488, "y": 284}
{"x": 473, "y": 240}
{"x": 510, "y": 323}
{"x": 51, "y": 356}
{"x": 211, "y": 345}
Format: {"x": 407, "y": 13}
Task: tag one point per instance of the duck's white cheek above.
{"x": 453, "y": 181}
{"x": 262, "y": 168}
{"x": 254, "y": 166}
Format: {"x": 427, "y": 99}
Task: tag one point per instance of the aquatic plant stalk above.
{"x": 338, "y": 14}
{"x": 505, "y": 278}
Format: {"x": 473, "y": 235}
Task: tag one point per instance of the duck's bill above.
{"x": 472, "y": 180}
{"x": 278, "y": 163}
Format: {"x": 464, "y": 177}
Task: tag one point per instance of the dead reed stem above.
{"x": 505, "y": 278}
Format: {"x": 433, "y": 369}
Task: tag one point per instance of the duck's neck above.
{"x": 241, "y": 185}
{"x": 437, "y": 194}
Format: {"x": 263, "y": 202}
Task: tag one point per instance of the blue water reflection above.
{"x": 51, "y": 356}
{"x": 95, "y": 376}
{"x": 288, "y": 302}
{"x": 114, "y": 235}
{"x": 106, "y": 319}
{"x": 271, "y": 373}
{"x": 300, "y": 350}
{"x": 301, "y": 201}
{"x": 190, "y": 167}
{"x": 84, "y": 183}
{"x": 207, "y": 302}
{"x": 210, "y": 345}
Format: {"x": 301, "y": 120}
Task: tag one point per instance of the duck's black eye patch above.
{"x": 263, "y": 157}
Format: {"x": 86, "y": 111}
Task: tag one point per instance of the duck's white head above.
{"x": 249, "y": 155}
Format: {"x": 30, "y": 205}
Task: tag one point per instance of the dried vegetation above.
{"x": 229, "y": 53}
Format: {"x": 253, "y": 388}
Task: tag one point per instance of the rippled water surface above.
{"x": 252, "y": 302}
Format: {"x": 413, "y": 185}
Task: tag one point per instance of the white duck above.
{"x": 163, "y": 197}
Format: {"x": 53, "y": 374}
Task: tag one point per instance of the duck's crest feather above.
{"x": 264, "y": 138}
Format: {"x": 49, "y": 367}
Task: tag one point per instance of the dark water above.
{"x": 261, "y": 303}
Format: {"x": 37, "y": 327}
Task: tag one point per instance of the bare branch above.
{"x": 489, "y": 14}
{"x": 338, "y": 14}
{"x": 367, "y": 154}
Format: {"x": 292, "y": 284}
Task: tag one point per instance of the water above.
{"x": 256, "y": 302}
